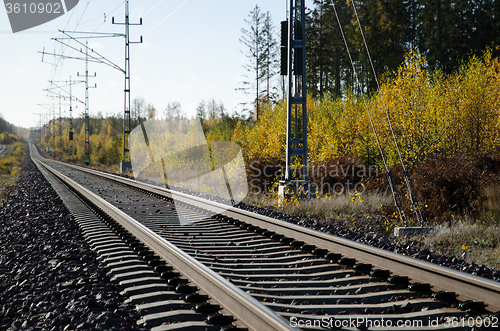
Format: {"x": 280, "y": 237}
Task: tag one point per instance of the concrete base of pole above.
{"x": 408, "y": 231}
{"x": 125, "y": 167}
{"x": 297, "y": 188}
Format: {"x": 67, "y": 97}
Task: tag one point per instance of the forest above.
{"x": 431, "y": 114}
{"x": 446, "y": 33}
{"x": 6, "y": 127}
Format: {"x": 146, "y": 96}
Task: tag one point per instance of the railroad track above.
{"x": 202, "y": 265}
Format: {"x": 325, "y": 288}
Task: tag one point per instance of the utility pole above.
{"x": 126, "y": 164}
{"x": 40, "y": 114}
{"x": 60, "y": 128}
{"x": 47, "y": 118}
{"x": 70, "y": 138}
{"x": 72, "y": 98}
{"x": 296, "y": 132}
{"x": 86, "y": 157}
{"x": 93, "y": 58}
{"x": 54, "y": 123}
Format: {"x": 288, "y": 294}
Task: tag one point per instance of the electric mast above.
{"x": 86, "y": 157}
{"x": 294, "y": 66}
{"x": 126, "y": 164}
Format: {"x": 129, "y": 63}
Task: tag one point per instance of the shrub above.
{"x": 8, "y": 138}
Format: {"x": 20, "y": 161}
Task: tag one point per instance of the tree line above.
{"x": 445, "y": 32}
{"x": 106, "y": 132}
{"x": 6, "y": 126}
{"x": 10, "y": 133}
{"x": 429, "y": 114}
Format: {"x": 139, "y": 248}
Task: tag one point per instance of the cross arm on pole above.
{"x": 113, "y": 22}
{"x": 62, "y": 89}
{"x": 98, "y": 58}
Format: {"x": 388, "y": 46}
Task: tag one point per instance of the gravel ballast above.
{"x": 379, "y": 240}
{"x": 376, "y": 239}
{"x": 50, "y": 279}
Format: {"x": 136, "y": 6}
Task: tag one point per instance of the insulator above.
{"x": 284, "y": 61}
{"x": 284, "y": 34}
{"x": 298, "y": 61}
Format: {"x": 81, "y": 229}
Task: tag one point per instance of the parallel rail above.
{"x": 246, "y": 309}
{"x": 467, "y": 286}
{"x": 249, "y": 311}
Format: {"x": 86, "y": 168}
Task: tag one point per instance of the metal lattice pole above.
{"x": 98, "y": 58}
{"x": 70, "y": 118}
{"x": 126, "y": 164}
{"x": 296, "y": 136}
{"x": 71, "y": 99}
{"x": 60, "y": 129}
{"x": 86, "y": 157}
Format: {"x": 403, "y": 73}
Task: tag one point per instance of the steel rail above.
{"x": 466, "y": 286}
{"x": 247, "y": 310}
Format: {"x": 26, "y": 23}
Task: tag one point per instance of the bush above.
{"x": 463, "y": 184}
{"x": 8, "y": 138}
{"x": 342, "y": 175}
{"x": 431, "y": 114}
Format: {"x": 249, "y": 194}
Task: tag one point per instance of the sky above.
{"x": 190, "y": 52}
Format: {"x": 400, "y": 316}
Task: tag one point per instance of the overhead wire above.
{"x": 175, "y": 10}
{"x": 152, "y": 8}
{"x": 79, "y": 22}
{"x": 60, "y": 60}
{"x": 64, "y": 47}
{"x": 57, "y": 66}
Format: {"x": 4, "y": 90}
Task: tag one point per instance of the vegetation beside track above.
{"x": 475, "y": 240}
{"x": 432, "y": 114}
{"x": 446, "y": 126}
{"x": 11, "y": 162}
{"x": 459, "y": 196}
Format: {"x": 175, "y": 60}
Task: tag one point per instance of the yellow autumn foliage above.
{"x": 431, "y": 114}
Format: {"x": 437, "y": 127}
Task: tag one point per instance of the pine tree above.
{"x": 253, "y": 40}
{"x": 212, "y": 109}
{"x": 271, "y": 53}
{"x": 151, "y": 111}
{"x": 201, "y": 113}
{"x": 327, "y": 59}
{"x": 174, "y": 111}
{"x": 137, "y": 111}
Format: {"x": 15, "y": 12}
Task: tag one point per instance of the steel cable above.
{"x": 395, "y": 193}
{"x": 406, "y": 174}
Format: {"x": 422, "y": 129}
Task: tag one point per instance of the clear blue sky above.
{"x": 188, "y": 55}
